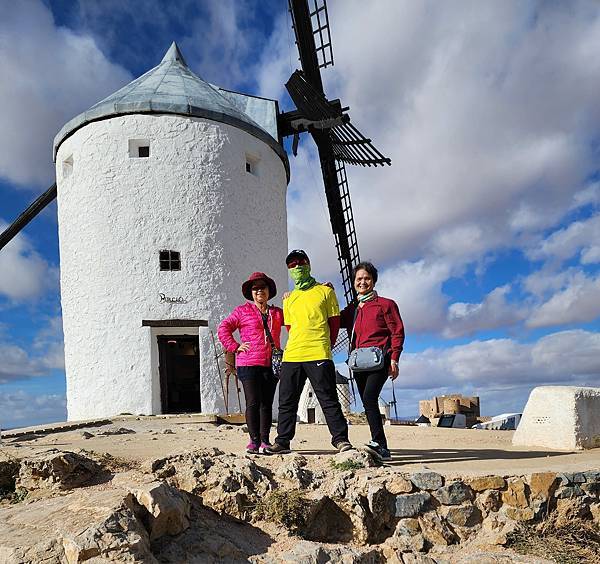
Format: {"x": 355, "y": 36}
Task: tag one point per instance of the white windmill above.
{"x": 170, "y": 192}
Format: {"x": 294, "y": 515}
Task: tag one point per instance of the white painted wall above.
{"x": 560, "y": 417}
{"x": 192, "y": 195}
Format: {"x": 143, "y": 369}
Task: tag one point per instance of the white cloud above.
{"x": 20, "y": 409}
{"x": 501, "y": 371}
{"x": 15, "y": 364}
{"x": 46, "y": 354}
{"x": 417, "y": 289}
{"x": 577, "y": 302}
{"x": 567, "y": 242}
{"x": 24, "y": 274}
{"x": 49, "y": 75}
{"x": 488, "y": 148}
{"x": 492, "y": 313}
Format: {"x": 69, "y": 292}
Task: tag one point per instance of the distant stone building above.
{"x": 450, "y": 405}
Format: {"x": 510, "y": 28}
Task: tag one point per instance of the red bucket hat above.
{"x": 247, "y": 285}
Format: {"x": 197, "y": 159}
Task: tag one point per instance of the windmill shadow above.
{"x": 403, "y": 456}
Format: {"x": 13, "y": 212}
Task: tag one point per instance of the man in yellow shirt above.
{"x": 312, "y": 316}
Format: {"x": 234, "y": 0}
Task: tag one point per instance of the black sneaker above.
{"x": 276, "y": 449}
{"x": 379, "y": 452}
{"x": 344, "y": 446}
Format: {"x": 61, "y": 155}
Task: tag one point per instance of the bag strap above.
{"x": 266, "y": 326}
{"x": 352, "y": 333}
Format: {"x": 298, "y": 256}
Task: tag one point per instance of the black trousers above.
{"x": 259, "y": 391}
{"x": 369, "y": 386}
{"x": 321, "y": 375}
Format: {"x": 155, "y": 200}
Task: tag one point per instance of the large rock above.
{"x": 516, "y": 494}
{"x": 57, "y": 470}
{"x": 410, "y": 505}
{"x": 462, "y": 515}
{"x": 84, "y": 525}
{"x": 435, "y": 530}
{"x": 229, "y": 484}
{"x": 427, "y": 480}
{"x": 168, "y": 510}
{"x": 306, "y": 552}
{"x": 453, "y": 493}
{"x": 397, "y": 485}
{"x": 294, "y": 470}
{"x": 542, "y": 485}
{"x": 560, "y": 417}
{"x": 482, "y": 483}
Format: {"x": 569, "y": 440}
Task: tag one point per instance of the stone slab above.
{"x": 561, "y": 418}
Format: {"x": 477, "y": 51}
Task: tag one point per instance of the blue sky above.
{"x": 485, "y": 229}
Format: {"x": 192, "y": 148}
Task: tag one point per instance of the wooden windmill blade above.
{"x": 337, "y": 140}
{"x": 34, "y": 209}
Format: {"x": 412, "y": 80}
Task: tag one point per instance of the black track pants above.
{"x": 321, "y": 375}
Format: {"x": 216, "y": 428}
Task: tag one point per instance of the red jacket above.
{"x": 378, "y": 324}
{"x": 248, "y": 320}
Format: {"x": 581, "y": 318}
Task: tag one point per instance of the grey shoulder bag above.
{"x": 364, "y": 359}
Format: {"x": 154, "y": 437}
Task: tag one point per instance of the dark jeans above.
{"x": 321, "y": 375}
{"x": 369, "y": 386}
{"x": 259, "y": 390}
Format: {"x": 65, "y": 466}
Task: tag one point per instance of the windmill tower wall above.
{"x": 194, "y": 195}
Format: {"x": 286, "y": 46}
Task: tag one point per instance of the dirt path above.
{"x": 448, "y": 451}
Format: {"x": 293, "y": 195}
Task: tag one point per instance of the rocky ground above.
{"x": 177, "y": 490}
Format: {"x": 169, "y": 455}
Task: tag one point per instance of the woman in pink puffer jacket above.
{"x": 253, "y": 354}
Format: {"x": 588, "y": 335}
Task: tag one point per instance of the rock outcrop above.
{"x": 271, "y": 509}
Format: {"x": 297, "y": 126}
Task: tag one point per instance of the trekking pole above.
{"x": 225, "y": 396}
{"x": 237, "y": 389}
{"x": 394, "y": 399}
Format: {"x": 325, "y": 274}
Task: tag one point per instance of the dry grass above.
{"x": 285, "y": 507}
{"x": 569, "y": 543}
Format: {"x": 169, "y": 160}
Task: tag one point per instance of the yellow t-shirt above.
{"x": 307, "y": 312}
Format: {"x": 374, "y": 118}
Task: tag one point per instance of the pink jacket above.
{"x": 247, "y": 319}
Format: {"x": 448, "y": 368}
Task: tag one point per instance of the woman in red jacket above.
{"x": 377, "y": 323}
{"x": 253, "y": 354}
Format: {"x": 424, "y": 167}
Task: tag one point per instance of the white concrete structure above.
{"x": 309, "y": 409}
{"x": 502, "y": 422}
{"x": 560, "y": 417}
{"x": 212, "y": 187}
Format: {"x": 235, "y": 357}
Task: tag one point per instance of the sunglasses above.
{"x": 297, "y": 262}
{"x": 258, "y": 288}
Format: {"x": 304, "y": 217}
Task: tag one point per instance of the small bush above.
{"x": 347, "y": 465}
{"x": 285, "y": 507}
{"x": 571, "y": 543}
{"x": 13, "y": 496}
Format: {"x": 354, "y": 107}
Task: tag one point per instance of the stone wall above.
{"x": 325, "y": 503}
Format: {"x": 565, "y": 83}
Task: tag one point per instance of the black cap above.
{"x": 296, "y": 254}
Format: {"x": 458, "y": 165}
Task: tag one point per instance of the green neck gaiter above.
{"x": 301, "y": 277}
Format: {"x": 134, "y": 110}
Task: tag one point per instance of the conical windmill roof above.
{"x": 172, "y": 88}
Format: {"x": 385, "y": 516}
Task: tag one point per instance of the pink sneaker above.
{"x": 263, "y": 446}
{"x": 252, "y": 448}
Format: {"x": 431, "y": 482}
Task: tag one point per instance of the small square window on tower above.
{"x": 139, "y": 148}
{"x": 67, "y": 167}
{"x": 169, "y": 260}
{"x": 252, "y": 163}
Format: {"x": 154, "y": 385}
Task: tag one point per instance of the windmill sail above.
{"x": 337, "y": 140}
{"x": 34, "y": 209}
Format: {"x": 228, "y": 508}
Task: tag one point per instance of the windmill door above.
{"x": 179, "y": 373}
